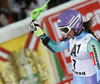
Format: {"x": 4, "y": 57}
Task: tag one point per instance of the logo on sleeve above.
{"x": 96, "y": 56}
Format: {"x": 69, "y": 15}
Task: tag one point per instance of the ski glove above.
{"x": 35, "y": 27}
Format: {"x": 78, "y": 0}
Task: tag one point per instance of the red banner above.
{"x": 4, "y": 54}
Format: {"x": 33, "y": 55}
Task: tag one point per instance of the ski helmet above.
{"x": 70, "y": 19}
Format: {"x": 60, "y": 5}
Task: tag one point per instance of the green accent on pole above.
{"x": 60, "y": 72}
{"x": 39, "y": 32}
{"x": 38, "y": 11}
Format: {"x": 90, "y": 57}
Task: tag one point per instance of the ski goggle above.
{"x": 65, "y": 29}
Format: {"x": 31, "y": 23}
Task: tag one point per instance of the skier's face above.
{"x": 71, "y": 34}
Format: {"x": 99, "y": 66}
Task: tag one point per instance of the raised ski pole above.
{"x": 38, "y": 11}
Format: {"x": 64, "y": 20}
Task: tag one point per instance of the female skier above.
{"x": 78, "y": 36}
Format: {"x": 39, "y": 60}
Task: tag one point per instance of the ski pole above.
{"x": 38, "y": 11}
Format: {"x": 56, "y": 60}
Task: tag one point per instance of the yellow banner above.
{"x": 26, "y": 63}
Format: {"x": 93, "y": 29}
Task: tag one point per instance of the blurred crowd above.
{"x": 15, "y": 10}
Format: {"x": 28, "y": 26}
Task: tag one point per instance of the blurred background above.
{"x": 15, "y": 10}
{"x": 23, "y": 58}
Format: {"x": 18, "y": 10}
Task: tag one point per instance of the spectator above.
{"x": 30, "y": 5}
{"x": 21, "y": 8}
{"x": 33, "y": 4}
{"x": 16, "y": 7}
{"x": 5, "y": 17}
